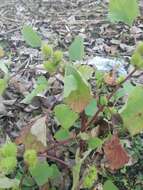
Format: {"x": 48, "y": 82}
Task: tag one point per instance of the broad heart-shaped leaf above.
{"x": 132, "y": 115}
{"x": 7, "y": 183}
{"x": 34, "y": 136}
{"x": 86, "y": 71}
{"x": 116, "y": 155}
{"x": 76, "y": 49}
{"x": 31, "y": 37}
{"x": 65, "y": 115}
{"x": 123, "y": 10}
{"x": 108, "y": 185}
{"x": 62, "y": 134}
{"x": 79, "y": 92}
{"x": 41, "y": 86}
{"x": 41, "y": 173}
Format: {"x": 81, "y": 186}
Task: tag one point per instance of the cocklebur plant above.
{"x": 74, "y": 83}
{"x": 82, "y": 108}
{"x": 77, "y": 116}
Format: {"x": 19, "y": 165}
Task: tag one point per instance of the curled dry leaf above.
{"x": 34, "y": 136}
{"x": 116, "y": 155}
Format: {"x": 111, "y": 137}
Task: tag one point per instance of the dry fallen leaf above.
{"x": 34, "y": 137}
{"x": 116, "y": 155}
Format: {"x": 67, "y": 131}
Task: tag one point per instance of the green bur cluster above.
{"x": 137, "y": 57}
{"x": 8, "y": 161}
{"x": 51, "y": 58}
{"x": 30, "y": 157}
{"x": 90, "y": 177}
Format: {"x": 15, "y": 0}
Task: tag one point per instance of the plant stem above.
{"x": 101, "y": 108}
{"x": 58, "y": 160}
{"x": 83, "y": 120}
{"x": 59, "y": 144}
{"x": 23, "y": 176}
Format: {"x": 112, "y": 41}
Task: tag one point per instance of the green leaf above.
{"x": 108, "y": 185}
{"x": 128, "y": 87}
{"x": 3, "y": 85}
{"x": 91, "y": 108}
{"x": 65, "y": 115}
{"x": 79, "y": 92}
{"x": 86, "y": 71}
{"x": 41, "y": 86}
{"x": 133, "y": 113}
{"x": 76, "y": 49}
{"x": 55, "y": 171}
{"x": 31, "y": 37}
{"x": 126, "y": 90}
{"x": 41, "y": 173}
{"x": 6, "y": 183}
{"x": 94, "y": 143}
{"x": 70, "y": 85}
{"x": 62, "y": 134}
{"x": 123, "y": 10}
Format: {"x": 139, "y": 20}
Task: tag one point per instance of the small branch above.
{"x": 94, "y": 118}
{"x": 60, "y": 143}
{"x": 101, "y": 108}
{"x": 56, "y": 159}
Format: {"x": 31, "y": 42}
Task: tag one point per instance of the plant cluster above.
{"x": 89, "y": 122}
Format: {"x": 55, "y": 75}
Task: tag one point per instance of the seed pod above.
{"x": 30, "y": 157}
{"x": 47, "y": 51}
{"x": 8, "y": 164}
{"x": 57, "y": 57}
{"x": 137, "y": 60}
